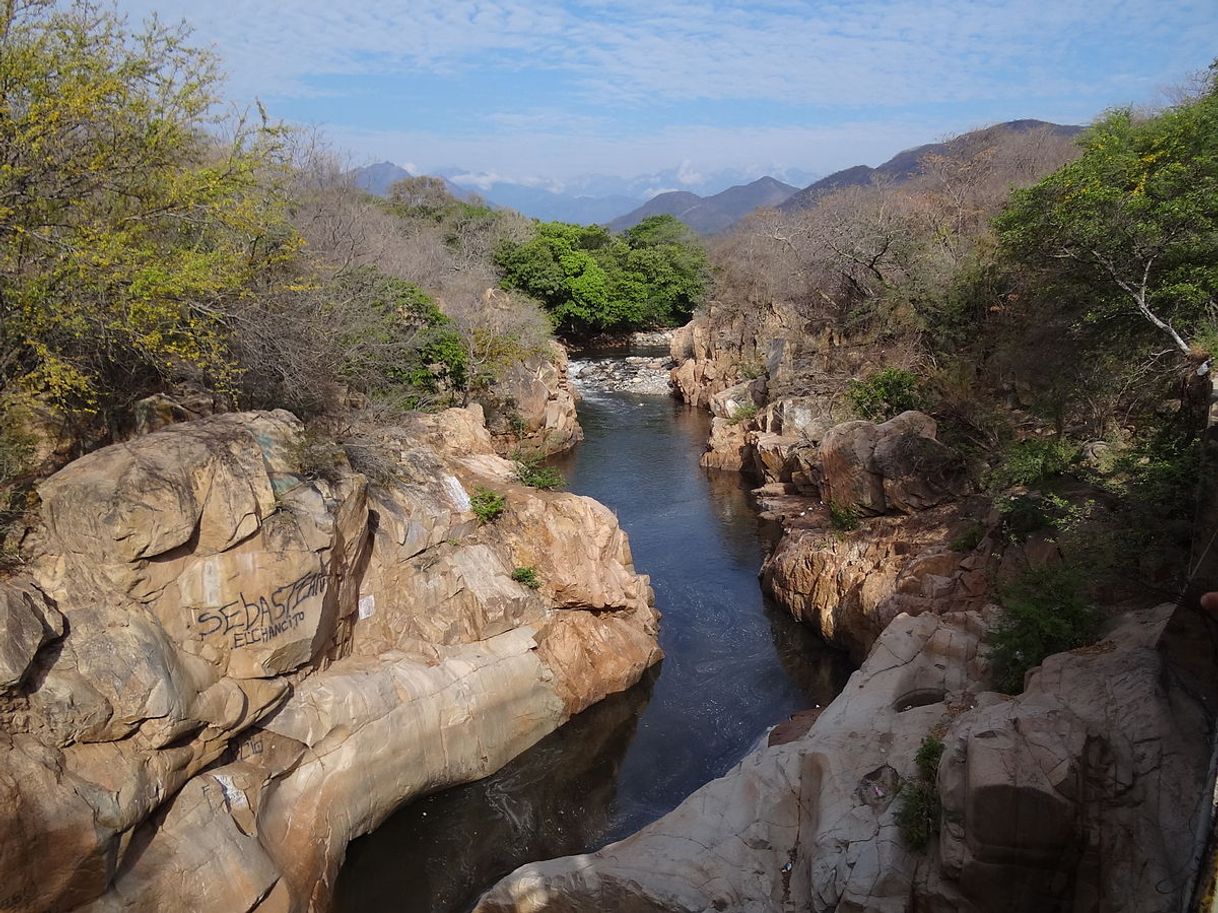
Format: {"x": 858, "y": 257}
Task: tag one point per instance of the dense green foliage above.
{"x": 920, "y": 807}
{"x": 1044, "y": 612}
{"x": 1033, "y": 461}
{"x": 1129, "y": 231}
{"x": 885, "y": 394}
{"x": 409, "y": 354}
{"x": 654, "y": 274}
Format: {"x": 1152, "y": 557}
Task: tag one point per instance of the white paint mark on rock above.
{"x": 367, "y": 606}
{"x": 232, "y": 792}
{"x": 456, "y": 491}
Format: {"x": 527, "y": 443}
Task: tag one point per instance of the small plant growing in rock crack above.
{"x": 968, "y": 539}
{"x": 843, "y": 517}
{"x": 752, "y": 369}
{"x": 920, "y": 806}
{"x": 316, "y": 455}
{"x": 532, "y": 472}
{"x": 743, "y": 414}
{"x": 487, "y": 505}
{"x": 527, "y": 576}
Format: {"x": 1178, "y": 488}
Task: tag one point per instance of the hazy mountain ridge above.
{"x": 379, "y": 177}
{"x": 709, "y": 215}
{"x": 590, "y": 199}
{"x": 908, "y": 162}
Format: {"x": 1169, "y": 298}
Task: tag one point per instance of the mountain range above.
{"x": 592, "y": 199}
{"x": 908, "y": 163}
{"x": 602, "y": 199}
{"x": 713, "y": 214}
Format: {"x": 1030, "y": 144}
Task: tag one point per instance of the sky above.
{"x": 542, "y": 91}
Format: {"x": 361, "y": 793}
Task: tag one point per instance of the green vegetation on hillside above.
{"x": 1126, "y": 237}
{"x": 1050, "y": 299}
{"x": 1044, "y": 612}
{"x": 654, "y": 274}
{"x": 153, "y": 246}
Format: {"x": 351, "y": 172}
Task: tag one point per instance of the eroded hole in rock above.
{"x": 920, "y": 697}
{"x": 878, "y": 788}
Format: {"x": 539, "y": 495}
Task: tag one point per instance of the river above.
{"x": 733, "y": 667}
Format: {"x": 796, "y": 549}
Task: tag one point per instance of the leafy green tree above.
{"x": 126, "y": 223}
{"x": 408, "y": 353}
{"x": 1134, "y": 220}
{"x": 655, "y": 274}
{"x": 558, "y": 268}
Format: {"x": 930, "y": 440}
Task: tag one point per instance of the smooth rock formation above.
{"x": 221, "y": 666}
{"x": 1079, "y": 794}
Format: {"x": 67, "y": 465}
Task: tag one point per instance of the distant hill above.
{"x": 549, "y": 206}
{"x": 709, "y": 215}
{"x": 907, "y": 164}
{"x": 378, "y": 178}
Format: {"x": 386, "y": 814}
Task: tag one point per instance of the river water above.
{"x": 733, "y": 667}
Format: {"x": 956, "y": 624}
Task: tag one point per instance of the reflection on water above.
{"x": 734, "y": 666}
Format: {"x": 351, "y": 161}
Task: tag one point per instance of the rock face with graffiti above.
{"x": 217, "y": 672}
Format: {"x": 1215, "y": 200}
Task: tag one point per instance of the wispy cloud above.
{"x": 635, "y": 71}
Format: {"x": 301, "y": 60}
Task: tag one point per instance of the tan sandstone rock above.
{"x": 897, "y": 465}
{"x": 218, "y": 671}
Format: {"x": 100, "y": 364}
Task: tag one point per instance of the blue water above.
{"x": 734, "y": 667}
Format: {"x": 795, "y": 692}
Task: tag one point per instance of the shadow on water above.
{"x": 734, "y": 666}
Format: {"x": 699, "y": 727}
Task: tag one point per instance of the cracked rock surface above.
{"x": 216, "y": 671}
{"x": 1079, "y": 794}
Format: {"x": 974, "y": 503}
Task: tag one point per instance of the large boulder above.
{"x": 895, "y": 466}
{"x": 739, "y": 401}
{"x": 221, "y": 665}
{"x": 532, "y": 406}
{"x": 727, "y": 447}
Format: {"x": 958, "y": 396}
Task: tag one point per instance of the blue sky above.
{"x": 546, "y": 90}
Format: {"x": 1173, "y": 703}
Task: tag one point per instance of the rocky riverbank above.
{"x": 644, "y": 374}
{"x": 1083, "y": 792}
{"x": 227, "y": 656}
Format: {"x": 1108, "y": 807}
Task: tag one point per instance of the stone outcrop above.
{"x": 1081, "y": 793}
{"x": 894, "y": 466}
{"x": 850, "y": 585}
{"x": 219, "y": 665}
{"x": 532, "y": 406}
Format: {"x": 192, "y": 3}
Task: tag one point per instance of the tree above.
{"x": 126, "y": 221}
{"x": 422, "y": 195}
{"x": 557, "y": 268}
{"x": 1134, "y": 219}
{"x": 589, "y": 280}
